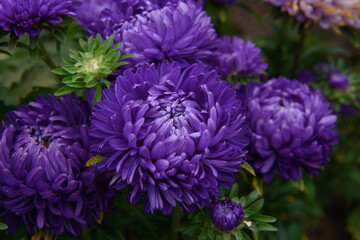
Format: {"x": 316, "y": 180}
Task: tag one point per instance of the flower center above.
{"x": 91, "y": 66}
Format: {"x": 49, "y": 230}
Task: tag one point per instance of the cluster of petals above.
{"x": 27, "y": 16}
{"x": 292, "y": 128}
{"x": 44, "y": 183}
{"x": 329, "y": 13}
{"x": 175, "y": 135}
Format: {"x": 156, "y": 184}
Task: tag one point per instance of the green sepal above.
{"x": 33, "y": 41}
{"x": 60, "y": 34}
{"x": 13, "y": 39}
{"x": 59, "y": 71}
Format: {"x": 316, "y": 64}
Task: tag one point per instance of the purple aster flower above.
{"x": 225, "y": 214}
{"x": 292, "y": 128}
{"x": 107, "y": 16}
{"x": 329, "y": 13}
{"x": 336, "y": 79}
{"x": 174, "y": 135}
{"x": 238, "y": 57}
{"x": 44, "y": 183}
{"x": 181, "y": 32}
{"x": 27, "y": 16}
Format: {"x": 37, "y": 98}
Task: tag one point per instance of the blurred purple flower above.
{"x": 181, "y": 32}
{"x": 329, "y": 13}
{"x": 44, "y": 183}
{"x": 336, "y": 79}
{"x": 225, "y": 214}
{"x": 292, "y": 128}
{"x": 306, "y": 76}
{"x": 238, "y": 57}
{"x": 172, "y": 134}
{"x": 26, "y": 16}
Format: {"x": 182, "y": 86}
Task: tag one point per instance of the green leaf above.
{"x": 64, "y": 90}
{"x": 3, "y": 226}
{"x": 245, "y": 201}
{"x": 254, "y": 208}
{"x": 234, "y": 190}
{"x": 210, "y": 233}
{"x": 60, "y": 34}
{"x": 226, "y": 236}
{"x": 30, "y": 78}
{"x": 265, "y": 227}
{"x": 83, "y": 44}
{"x": 5, "y": 52}
{"x": 248, "y": 168}
{"x": 237, "y": 234}
{"x": 94, "y": 160}
{"x": 262, "y": 218}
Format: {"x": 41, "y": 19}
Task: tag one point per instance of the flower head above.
{"x": 27, "y": 16}
{"x": 292, "y": 128}
{"x": 44, "y": 183}
{"x": 172, "y": 134}
{"x": 107, "y": 16}
{"x": 330, "y": 13}
{"x": 239, "y": 57}
{"x": 181, "y": 32}
{"x": 336, "y": 79}
{"x": 225, "y": 214}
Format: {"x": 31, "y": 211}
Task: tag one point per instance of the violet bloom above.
{"x": 238, "y": 57}
{"x": 181, "y": 32}
{"x": 174, "y": 135}
{"x": 107, "y": 16}
{"x": 329, "y": 13}
{"x": 44, "y": 183}
{"x": 27, "y": 16}
{"x": 336, "y": 79}
{"x": 292, "y": 128}
{"x": 225, "y": 214}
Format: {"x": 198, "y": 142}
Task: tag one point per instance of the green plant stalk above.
{"x": 175, "y": 222}
{"x": 47, "y": 59}
{"x": 299, "y": 51}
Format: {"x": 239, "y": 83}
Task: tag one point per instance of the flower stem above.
{"x": 299, "y": 51}
{"x": 175, "y": 217}
{"x": 47, "y": 59}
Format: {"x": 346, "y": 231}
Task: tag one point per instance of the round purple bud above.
{"x": 292, "y": 128}
{"x": 44, "y": 183}
{"x": 225, "y": 214}
{"x": 175, "y": 135}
